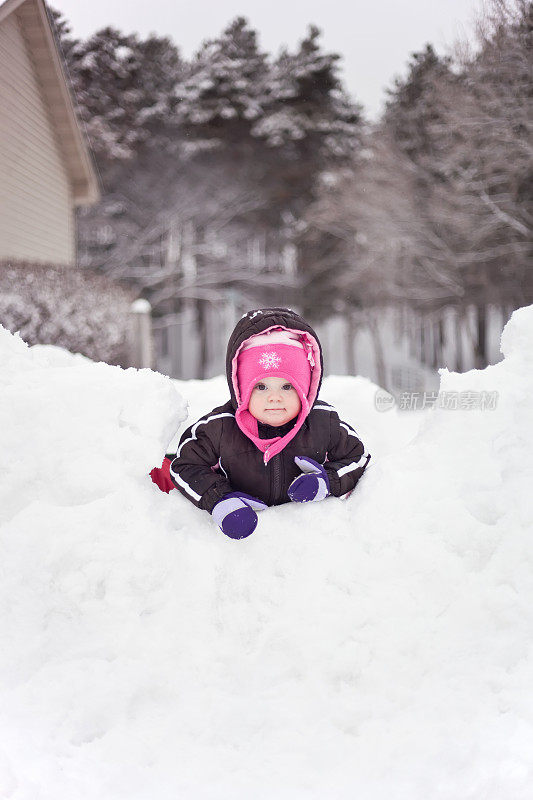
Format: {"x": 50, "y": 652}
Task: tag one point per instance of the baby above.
{"x": 273, "y": 442}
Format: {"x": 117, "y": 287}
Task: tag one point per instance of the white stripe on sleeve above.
{"x": 185, "y": 486}
{"x": 195, "y": 426}
{"x": 348, "y": 428}
{"x": 350, "y": 467}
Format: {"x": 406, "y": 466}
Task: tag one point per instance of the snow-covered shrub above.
{"x": 64, "y": 306}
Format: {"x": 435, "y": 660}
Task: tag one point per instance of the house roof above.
{"x": 55, "y": 86}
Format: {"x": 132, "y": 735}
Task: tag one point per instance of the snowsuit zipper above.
{"x": 276, "y": 479}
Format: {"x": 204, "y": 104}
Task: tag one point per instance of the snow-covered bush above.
{"x": 60, "y": 305}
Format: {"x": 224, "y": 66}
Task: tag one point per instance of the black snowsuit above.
{"x": 215, "y": 457}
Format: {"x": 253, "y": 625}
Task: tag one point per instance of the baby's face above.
{"x": 274, "y": 401}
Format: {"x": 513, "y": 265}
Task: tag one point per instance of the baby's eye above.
{"x": 260, "y": 386}
{"x": 287, "y": 386}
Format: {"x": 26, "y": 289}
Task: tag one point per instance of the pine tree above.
{"x": 308, "y": 109}
{"x": 310, "y": 125}
{"x": 222, "y": 92}
{"x": 283, "y": 122}
{"x": 124, "y": 89}
{"x": 414, "y": 106}
{"x": 232, "y": 122}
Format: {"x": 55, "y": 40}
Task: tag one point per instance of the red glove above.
{"x": 161, "y": 476}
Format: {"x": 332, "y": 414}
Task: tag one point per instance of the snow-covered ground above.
{"x": 377, "y": 648}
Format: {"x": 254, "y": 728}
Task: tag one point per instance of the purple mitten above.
{"x": 313, "y": 485}
{"x": 235, "y": 514}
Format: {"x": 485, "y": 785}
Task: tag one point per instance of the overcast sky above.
{"x": 374, "y": 39}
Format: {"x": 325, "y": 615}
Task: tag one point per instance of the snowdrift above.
{"x": 378, "y": 647}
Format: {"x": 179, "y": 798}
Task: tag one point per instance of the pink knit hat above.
{"x": 274, "y": 360}
{"x": 279, "y": 355}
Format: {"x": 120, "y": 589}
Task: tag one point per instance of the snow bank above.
{"x": 378, "y": 647}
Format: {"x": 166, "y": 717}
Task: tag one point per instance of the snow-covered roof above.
{"x": 37, "y": 30}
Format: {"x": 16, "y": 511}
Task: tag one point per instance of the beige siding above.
{"x": 36, "y": 206}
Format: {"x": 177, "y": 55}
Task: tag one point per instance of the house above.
{"x": 200, "y": 272}
{"x": 45, "y": 163}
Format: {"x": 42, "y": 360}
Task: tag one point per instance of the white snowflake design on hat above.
{"x": 270, "y": 360}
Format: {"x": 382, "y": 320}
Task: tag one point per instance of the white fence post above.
{"x": 142, "y": 351}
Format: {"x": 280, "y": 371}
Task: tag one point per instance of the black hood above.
{"x": 258, "y": 321}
